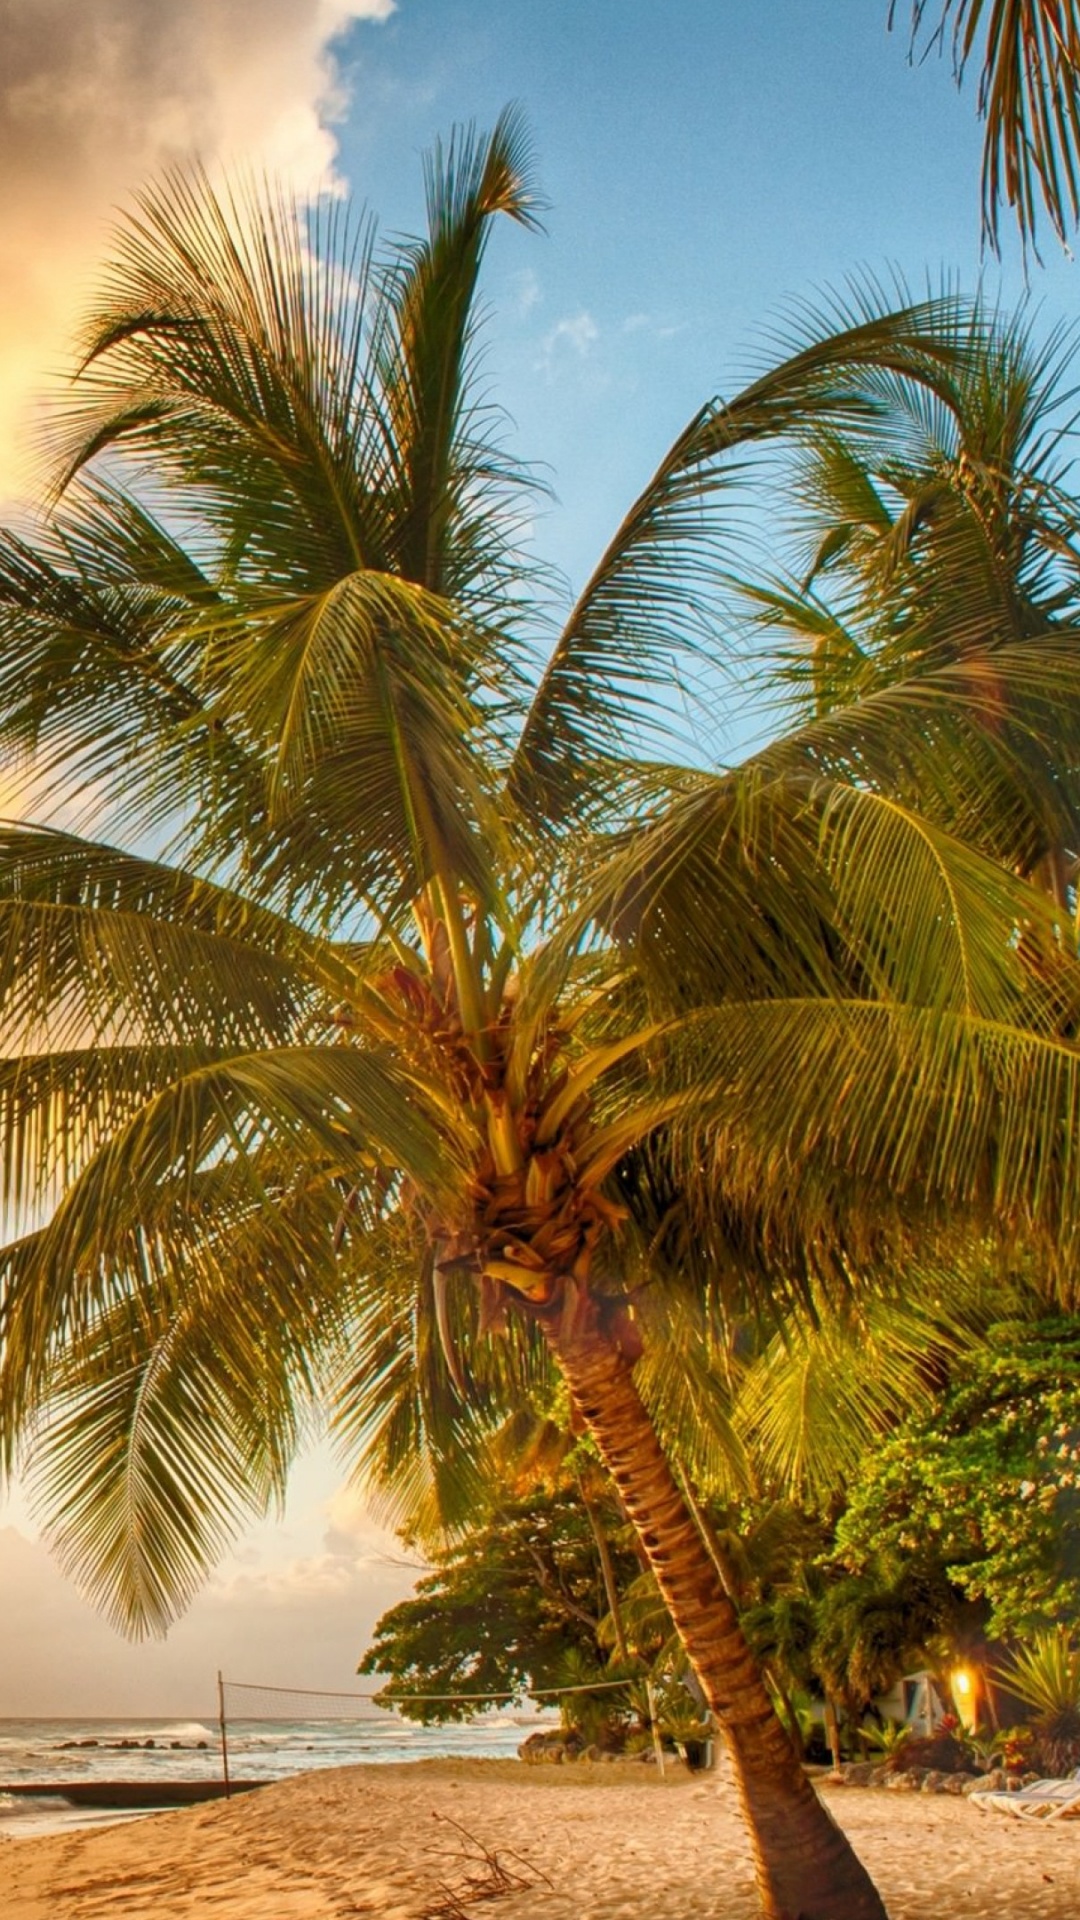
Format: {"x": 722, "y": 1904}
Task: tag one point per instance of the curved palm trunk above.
{"x": 806, "y": 1869}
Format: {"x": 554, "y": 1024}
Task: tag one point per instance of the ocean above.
{"x": 56, "y": 1751}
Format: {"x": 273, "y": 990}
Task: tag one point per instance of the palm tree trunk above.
{"x": 772, "y": 1674}
{"x": 607, "y": 1571}
{"x": 806, "y": 1869}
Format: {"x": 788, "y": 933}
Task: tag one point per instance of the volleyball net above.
{"x": 243, "y": 1702}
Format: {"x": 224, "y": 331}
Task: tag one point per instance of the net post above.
{"x": 658, "y": 1745}
{"x": 224, "y": 1735}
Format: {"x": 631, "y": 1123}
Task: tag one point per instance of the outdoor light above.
{"x": 965, "y": 1694}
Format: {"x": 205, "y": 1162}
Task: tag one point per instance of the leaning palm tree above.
{"x": 383, "y": 1005}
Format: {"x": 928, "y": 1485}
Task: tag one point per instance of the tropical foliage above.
{"x": 516, "y": 1605}
{"x": 384, "y": 1003}
{"x": 1046, "y": 1677}
{"x": 985, "y": 1484}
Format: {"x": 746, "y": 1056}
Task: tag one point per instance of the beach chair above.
{"x": 1043, "y": 1800}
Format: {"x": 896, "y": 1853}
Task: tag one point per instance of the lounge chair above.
{"x": 1043, "y": 1800}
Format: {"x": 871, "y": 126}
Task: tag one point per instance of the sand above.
{"x": 597, "y": 1843}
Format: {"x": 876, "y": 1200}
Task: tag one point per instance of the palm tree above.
{"x": 1029, "y": 98}
{"x": 920, "y": 536}
{"x": 370, "y": 1030}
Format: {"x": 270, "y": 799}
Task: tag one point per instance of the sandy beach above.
{"x": 586, "y": 1844}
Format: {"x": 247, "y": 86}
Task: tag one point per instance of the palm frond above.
{"x": 336, "y": 1111}
{"x": 688, "y": 1394}
{"x": 228, "y": 345}
{"x": 349, "y": 703}
{"x": 1029, "y": 97}
{"x": 96, "y": 943}
{"x": 145, "y": 1470}
{"x": 99, "y": 669}
{"x": 824, "y": 1390}
{"x": 651, "y": 603}
{"x": 788, "y": 887}
{"x": 948, "y": 1115}
{"x": 418, "y": 1444}
{"x": 174, "y": 1415}
{"x": 448, "y": 475}
{"x": 983, "y": 745}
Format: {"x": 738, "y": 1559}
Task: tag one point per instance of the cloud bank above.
{"x": 269, "y": 1615}
{"x": 95, "y": 95}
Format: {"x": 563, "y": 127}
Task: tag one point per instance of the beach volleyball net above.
{"x": 241, "y": 1702}
{"x": 249, "y": 1700}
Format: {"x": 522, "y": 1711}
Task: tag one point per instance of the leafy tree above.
{"x": 869, "y": 1631}
{"x": 986, "y": 1482}
{"x": 439, "y": 1005}
{"x": 811, "y": 1403}
{"x": 502, "y": 1610}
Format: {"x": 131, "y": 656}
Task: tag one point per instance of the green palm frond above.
{"x": 983, "y": 745}
{"x": 173, "y": 1416}
{"x": 419, "y": 1392}
{"x": 652, "y": 601}
{"x": 333, "y": 1105}
{"x": 803, "y": 1105}
{"x": 688, "y": 1396}
{"x": 349, "y": 702}
{"x": 761, "y": 888}
{"x": 935, "y": 532}
{"x": 145, "y": 1471}
{"x": 96, "y": 943}
{"x": 448, "y": 474}
{"x": 99, "y": 671}
{"x": 59, "y": 1108}
{"x": 822, "y": 1391}
{"x": 930, "y": 920}
{"x": 308, "y": 695}
{"x": 333, "y": 1110}
{"x": 228, "y": 343}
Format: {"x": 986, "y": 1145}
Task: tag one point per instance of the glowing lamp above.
{"x": 965, "y": 1694}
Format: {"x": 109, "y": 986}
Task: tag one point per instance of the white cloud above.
{"x": 355, "y": 1551}
{"x": 659, "y": 329}
{"x": 578, "y": 332}
{"x": 95, "y": 95}
{"x": 567, "y": 344}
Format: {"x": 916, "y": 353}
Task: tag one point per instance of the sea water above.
{"x": 54, "y": 1751}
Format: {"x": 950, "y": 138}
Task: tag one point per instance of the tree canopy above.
{"x": 390, "y": 999}
{"x": 516, "y": 1605}
{"x": 986, "y": 1482}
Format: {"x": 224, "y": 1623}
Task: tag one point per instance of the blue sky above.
{"x": 706, "y": 162}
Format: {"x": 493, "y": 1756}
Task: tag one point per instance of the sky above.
{"x": 706, "y": 163}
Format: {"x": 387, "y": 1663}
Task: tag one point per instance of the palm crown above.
{"x": 434, "y": 1014}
